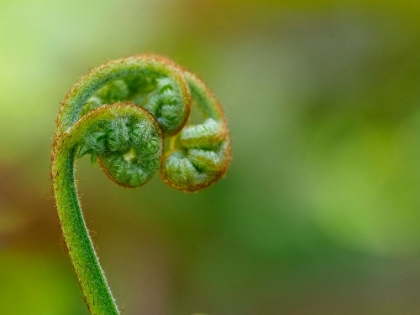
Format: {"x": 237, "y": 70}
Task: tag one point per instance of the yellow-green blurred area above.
{"x": 320, "y": 210}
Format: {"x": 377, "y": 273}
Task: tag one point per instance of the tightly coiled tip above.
{"x": 120, "y": 113}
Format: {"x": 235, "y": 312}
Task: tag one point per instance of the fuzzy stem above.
{"x": 83, "y": 256}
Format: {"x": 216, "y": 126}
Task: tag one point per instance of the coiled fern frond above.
{"x": 120, "y": 113}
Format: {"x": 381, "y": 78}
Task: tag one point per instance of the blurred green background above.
{"x": 320, "y": 210}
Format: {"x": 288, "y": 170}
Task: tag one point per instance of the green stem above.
{"x": 83, "y": 256}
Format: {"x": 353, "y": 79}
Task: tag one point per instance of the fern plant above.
{"x": 120, "y": 113}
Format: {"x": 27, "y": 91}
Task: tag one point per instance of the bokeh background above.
{"x": 320, "y": 210}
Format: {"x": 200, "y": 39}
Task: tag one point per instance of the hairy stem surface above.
{"x": 82, "y": 253}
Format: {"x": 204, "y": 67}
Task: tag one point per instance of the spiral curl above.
{"x": 126, "y": 149}
{"x": 120, "y": 113}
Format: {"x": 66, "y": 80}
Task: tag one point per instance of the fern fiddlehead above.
{"x": 120, "y": 113}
